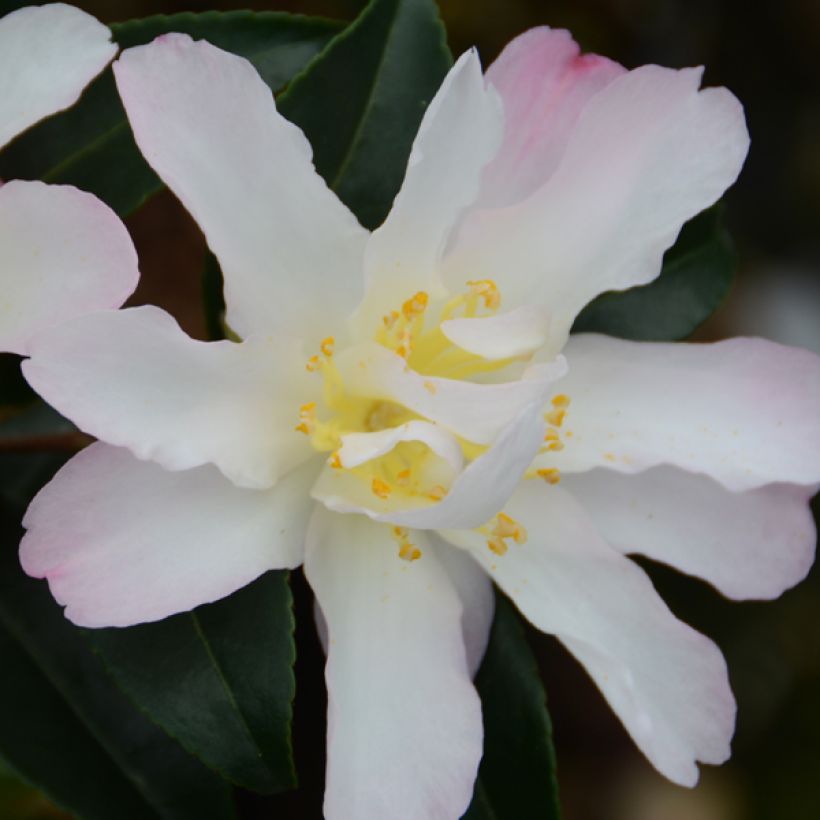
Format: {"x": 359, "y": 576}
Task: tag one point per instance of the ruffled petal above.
{"x": 48, "y": 54}
{"x": 404, "y": 721}
{"x": 647, "y": 153}
{"x": 518, "y": 332}
{"x": 667, "y": 683}
{"x": 132, "y": 378}
{"x": 545, "y": 82}
{"x": 290, "y": 251}
{"x": 62, "y": 253}
{"x": 744, "y": 411}
{"x": 123, "y": 541}
{"x": 755, "y": 544}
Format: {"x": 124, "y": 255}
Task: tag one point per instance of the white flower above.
{"x": 427, "y": 365}
{"x": 62, "y": 251}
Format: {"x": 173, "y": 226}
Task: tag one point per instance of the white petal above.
{"x": 134, "y": 379}
{"x": 62, "y": 253}
{"x": 744, "y": 411}
{"x": 404, "y": 722}
{"x": 476, "y": 412}
{"x": 648, "y": 152}
{"x": 476, "y": 495}
{"x": 517, "y": 332}
{"x": 475, "y": 589}
{"x": 666, "y": 682}
{"x": 48, "y": 54}
{"x": 123, "y": 541}
{"x": 290, "y": 251}
{"x": 459, "y": 135}
{"x": 749, "y": 545}
{"x": 359, "y": 448}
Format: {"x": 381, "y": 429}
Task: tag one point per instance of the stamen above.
{"x": 437, "y": 492}
{"x": 335, "y": 462}
{"x": 555, "y": 417}
{"x": 327, "y": 346}
{"x": 307, "y": 418}
{"x": 488, "y": 291}
{"x": 313, "y": 364}
{"x": 380, "y": 488}
{"x": 415, "y": 306}
{"x": 497, "y": 546}
{"x": 550, "y": 474}
{"x": 553, "y": 441}
{"x": 407, "y": 551}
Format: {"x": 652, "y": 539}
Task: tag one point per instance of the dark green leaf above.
{"x": 213, "y": 301}
{"x": 219, "y": 679}
{"x": 67, "y": 729}
{"x": 697, "y": 274}
{"x": 517, "y": 777}
{"x": 91, "y": 146}
{"x": 361, "y": 100}
{"x": 13, "y": 387}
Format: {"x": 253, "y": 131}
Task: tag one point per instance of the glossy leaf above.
{"x": 219, "y": 679}
{"x": 517, "y": 774}
{"x": 361, "y": 100}
{"x": 696, "y": 277}
{"x": 68, "y": 730}
{"x": 91, "y": 145}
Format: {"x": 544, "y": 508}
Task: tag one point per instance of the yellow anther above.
{"x": 488, "y": 291}
{"x": 401, "y": 350}
{"x": 437, "y": 492}
{"x": 497, "y": 546}
{"x": 327, "y": 346}
{"x": 380, "y": 488}
{"x": 609, "y": 456}
{"x": 508, "y": 527}
{"x": 307, "y": 418}
{"x": 403, "y": 478}
{"x": 313, "y": 364}
{"x": 407, "y": 551}
{"x": 389, "y": 319}
{"x": 561, "y": 400}
{"x": 550, "y": 474}
{"x": 335, "y": 461}
{"x": 553, "y": 440}
{"x": 556, "y": 416}
{"x": 302, "y": 428}
{"x": 416, "y": 305}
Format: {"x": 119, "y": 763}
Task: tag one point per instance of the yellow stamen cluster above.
{"x": 487, "y": 290}
{"x": 504, "y": 528}
{"x": 307, "y": 418}
{"x": 401, "y": 329}
{"x": 555, "y": 418}
{"x": 407, "y": 550}
{"x": 380, "y": 487}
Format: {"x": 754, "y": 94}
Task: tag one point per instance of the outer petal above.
{"x": 517, "y": 332}
{"x": 545, "y": 83}
{"x": 666, "y": 682}
{"x": 290, "y": 251}
{"x": 134, "y": 379}
{"x": 647, "y": 153}
{"x": 744, "y": 411}
{"x": 123, "y": 541}
{"x": 476, "y": 495}
{"x": 62, "y": 253}
{"x": 749, "y": 545}
{"x": 477, "y": 412}
{"x": 459, "y": 135}
{"x": 48, "y": 54}
{"x": 404, "y": 722}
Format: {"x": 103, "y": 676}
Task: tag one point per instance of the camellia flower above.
{"x": 407, "y": 414}
{"x": 62, "y": 251}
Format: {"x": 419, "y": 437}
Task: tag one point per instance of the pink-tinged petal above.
{"x": 404, "y": 721}
{"x": 475, "y": 589}
{"x": 479, "y": 492}
{"x": 667, "y": 683}
{"x": 754, "y": 544}
{"x": 48, "y": 54}
{"x": 518, "y": 332}
{"x": 459, "y": 135}
{"x": 62, "y": 253}
{"x": 477, "y": 412}
{"x": 132, "y": 378}
{"x": 545, "y": 82}
{"x": 290, "y": 251}
{"x": 744, "y": 411}
{"x": 123, "y": 541}
{"x": 648, "y": 152}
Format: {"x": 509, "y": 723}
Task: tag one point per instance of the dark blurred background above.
{"x": 768, "y": 54}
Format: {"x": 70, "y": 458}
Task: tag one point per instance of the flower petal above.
{"x": 545, "y": 83}
{"x": 62, "y": 253}
{"x": 749, "y": 545}
{"x": 744, "y": 411}
{"x": 134, "y": 379}
{"x": 517, "y": 332}
{"x": 648, "y": 152}
{"x": 477, "y": 412}
{"x": 290, "y": 251}
{"x": 460, "y": 133}
{"x": 666, "y": 682}
{"x": 48, "y": 54}
{"x": 404, "y": 721}
{"x": 475, "y": 496}
{"x": 123, "y": 541}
